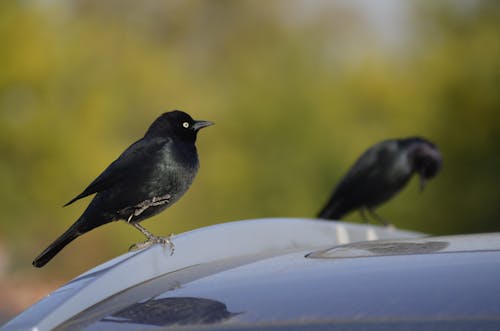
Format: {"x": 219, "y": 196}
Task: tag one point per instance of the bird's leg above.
{"x": 363, "y": 214}
{"x": 152, "y": 239}
{"x": 378, "y": 218}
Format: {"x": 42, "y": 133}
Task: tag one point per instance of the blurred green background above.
{"x": 298, "y": 89}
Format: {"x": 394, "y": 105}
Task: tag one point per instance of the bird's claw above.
{"x": 138, "y": 246}
{"x": 163, "y": 241}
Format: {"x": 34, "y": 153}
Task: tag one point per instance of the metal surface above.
{"x": 286, "y": 274}
{"x": 199, "y": 253}
{"x": 291, "y": 289}
{"x": 447, "y": 244}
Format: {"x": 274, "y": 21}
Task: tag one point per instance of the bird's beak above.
{"x": 201, "y": 124}
{"x": 422, "y": 183}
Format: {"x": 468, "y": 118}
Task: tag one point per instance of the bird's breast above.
{"x": 175, "y": 170}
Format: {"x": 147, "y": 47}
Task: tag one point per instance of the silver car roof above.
{"x": 275, "y": 271}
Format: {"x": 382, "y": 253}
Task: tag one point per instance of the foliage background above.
{"x": 297, "y": 89}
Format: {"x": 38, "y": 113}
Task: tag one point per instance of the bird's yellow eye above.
{"x": 185, "y": 124}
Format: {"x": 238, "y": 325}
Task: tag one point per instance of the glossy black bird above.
{"x": 147, "y": 177}
{"x": 381, "y": 172}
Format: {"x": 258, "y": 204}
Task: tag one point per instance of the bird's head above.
{"x": 426, "y": 160}
{"x": 177, "y": 124}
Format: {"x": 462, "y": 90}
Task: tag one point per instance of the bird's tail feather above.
{"x": 71, "y": 234}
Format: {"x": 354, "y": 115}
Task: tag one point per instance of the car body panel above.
{"x": 282, "y": 272}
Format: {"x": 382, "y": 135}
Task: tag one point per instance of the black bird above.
{"x": 381, "y": 172}
{"x": 147, "y": 177}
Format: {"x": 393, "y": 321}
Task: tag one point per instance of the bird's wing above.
{"x": 359, "y": 183}
{"x": 132, "y": 158}
{"x": 366, "y": 168}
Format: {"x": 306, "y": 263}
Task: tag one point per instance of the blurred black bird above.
{"x": 147, "y": 177}
{"x": 381, "y": 172}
